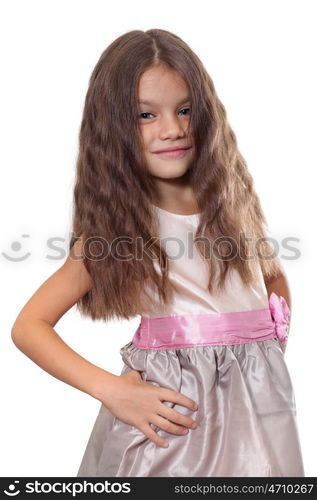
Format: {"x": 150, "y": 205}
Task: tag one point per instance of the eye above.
{"x": 184, "y": 109}
{"x": 145, "y": 113}
{"x": 141, "y": 115}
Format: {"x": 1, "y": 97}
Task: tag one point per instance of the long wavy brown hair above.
{"x": 114, "y": 192}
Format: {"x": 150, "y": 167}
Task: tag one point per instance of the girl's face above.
{"x": 164, "y": 109}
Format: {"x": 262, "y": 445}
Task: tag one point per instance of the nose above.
{"x": 171, "y": 126}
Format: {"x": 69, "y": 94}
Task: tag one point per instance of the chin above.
{"x": 168, "y": 175}
{"x": 168, "y": 170}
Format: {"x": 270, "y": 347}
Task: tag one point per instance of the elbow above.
{"x": 16, "y": 330}
{"x": 14, "y": 336}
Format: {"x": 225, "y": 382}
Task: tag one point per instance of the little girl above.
{"x": 167, "y": 225}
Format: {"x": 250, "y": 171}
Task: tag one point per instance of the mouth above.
{"x": 173, "y": 153}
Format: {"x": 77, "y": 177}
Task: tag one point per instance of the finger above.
{"x": 176, "y": 417}
{"x": 168, "y": 426}
{"x": 177, "y": 397}
{"x": 150, "y": 434}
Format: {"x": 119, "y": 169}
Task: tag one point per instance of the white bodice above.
{"x": 189, "y": 273}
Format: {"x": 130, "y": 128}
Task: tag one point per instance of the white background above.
{"x": 261, "y": 57}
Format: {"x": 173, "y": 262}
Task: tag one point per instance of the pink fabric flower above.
{"x": 280, "y": 313}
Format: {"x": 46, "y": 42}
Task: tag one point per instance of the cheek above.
{"x": 148, "y": 135}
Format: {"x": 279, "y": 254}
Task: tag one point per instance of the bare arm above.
{"x": 34, "y": 335}
{"x": 127, "y": 396}
{"x": 279, "y": 285}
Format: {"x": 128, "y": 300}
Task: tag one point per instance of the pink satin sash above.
{"x": 176, "y": 331}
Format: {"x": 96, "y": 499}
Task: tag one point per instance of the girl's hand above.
{"x": 139, "y": 403}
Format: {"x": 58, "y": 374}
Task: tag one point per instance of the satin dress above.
{"x": 247, "y": 412}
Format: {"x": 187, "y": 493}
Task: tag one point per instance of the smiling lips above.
{"x": 172, "y": 152}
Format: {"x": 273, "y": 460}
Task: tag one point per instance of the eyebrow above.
{"x": 186, "y": 99}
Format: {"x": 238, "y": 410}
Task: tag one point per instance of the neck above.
{"x": 173, "y": 194}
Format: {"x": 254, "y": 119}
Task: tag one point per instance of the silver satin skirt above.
{"x": 246, "y": 417}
